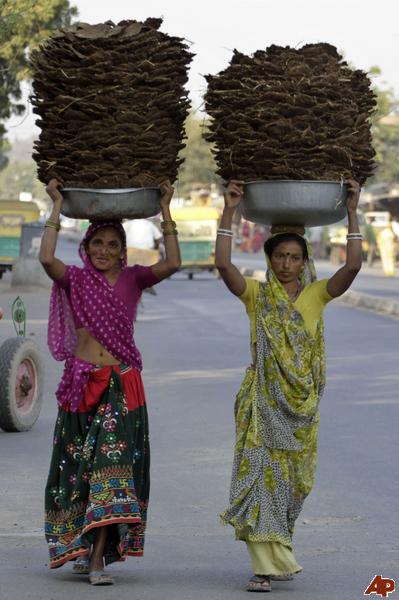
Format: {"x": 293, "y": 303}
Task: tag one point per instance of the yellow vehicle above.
{"x": 13, "y": 213}
{"x": 197, "y": 226}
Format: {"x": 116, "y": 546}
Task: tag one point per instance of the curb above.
{"x": 377, "y": 304}
{"x": 382, "y": 306}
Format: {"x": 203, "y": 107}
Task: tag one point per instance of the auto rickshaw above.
{"x": 197, "y": 226}
{"x": 13, "y": 213}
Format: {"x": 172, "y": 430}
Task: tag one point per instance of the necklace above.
{"x": 294, "y": 296}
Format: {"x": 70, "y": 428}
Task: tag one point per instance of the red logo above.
{"x": 380, "y": 586}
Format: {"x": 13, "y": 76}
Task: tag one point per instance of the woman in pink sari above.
{"x": 98, "y": 485}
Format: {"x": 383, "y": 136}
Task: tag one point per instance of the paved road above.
{"x": 370, "y": 279}
{"x": 193, "y": 337}
{"x": 68, "y": 250}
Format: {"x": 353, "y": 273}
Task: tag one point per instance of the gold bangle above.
{"x": 165, "y": 223}
{"x": 52, "y": 225}
{"x": 172, "y": 232}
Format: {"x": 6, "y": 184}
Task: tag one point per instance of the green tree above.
{"x": 385, "y": 130}
{"x": 23, "y": 25}
{"x": 20, "y": 177}
{"x": 199, "y": 165}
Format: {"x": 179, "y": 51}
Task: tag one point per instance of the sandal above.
{"x": 81, "y": 565}
{"x": 259, "y": 583}
{"x": 100, "y": 578}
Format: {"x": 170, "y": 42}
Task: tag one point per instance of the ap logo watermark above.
{"x": 381, "y": 586}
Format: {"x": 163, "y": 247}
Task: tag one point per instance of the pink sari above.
{"x": 94, "y": 303}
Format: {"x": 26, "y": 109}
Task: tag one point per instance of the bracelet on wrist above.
{"x": 52, "y": 225}
{"x": 167, "y": 223}
{"x": 354, "y": 236}
{"x": 225, "y": 232}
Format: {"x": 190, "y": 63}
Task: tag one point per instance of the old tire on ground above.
{"x": 21, "y": 384}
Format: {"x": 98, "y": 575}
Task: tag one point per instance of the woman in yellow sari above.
{"x": 277, "y": 407}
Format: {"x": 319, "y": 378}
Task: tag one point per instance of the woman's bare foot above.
{"x": 97, "y": 552}
{"x": 96, "y": 564}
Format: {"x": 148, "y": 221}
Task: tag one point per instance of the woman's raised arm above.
{"x": 229, "y": 272}
{"x": 171, "y": 263}
{"x": 54, "y": 267}
{"x": 342, "y": 279}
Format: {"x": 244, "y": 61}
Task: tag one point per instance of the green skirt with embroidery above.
{"x": 99, "y": 473}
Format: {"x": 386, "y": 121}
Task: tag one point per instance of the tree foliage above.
{"x": 199, "y": 165}
{"x": 20, "y": 177}
{"x": 386, "y": 133}
{"x": 23, "y": 25}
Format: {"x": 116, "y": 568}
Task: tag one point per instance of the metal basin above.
{"x": 129, "y": 203}
{"x": 290, "y": 202}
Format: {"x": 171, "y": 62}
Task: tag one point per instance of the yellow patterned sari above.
{"x": 277, "y": 417}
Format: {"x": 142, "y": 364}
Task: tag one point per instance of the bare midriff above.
{"x": 90, "y": 350}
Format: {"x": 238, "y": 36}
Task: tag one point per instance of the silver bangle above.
{"x": 226, "y": 232}
{"x": 354, "y": 236}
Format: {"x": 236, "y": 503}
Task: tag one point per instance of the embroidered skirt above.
{"x": 99, "y": 472}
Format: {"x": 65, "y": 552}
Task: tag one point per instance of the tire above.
{"x": 21, "y": 384}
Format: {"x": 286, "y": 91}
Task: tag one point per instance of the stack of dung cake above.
{"x": 287, "y": 114}
{"x": 112, "y": 102}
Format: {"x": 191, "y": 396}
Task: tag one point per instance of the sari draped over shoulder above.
{"x": 91, "y": 300}
{"x": 277, "y": 417}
